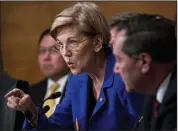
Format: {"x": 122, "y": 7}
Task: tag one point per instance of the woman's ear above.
{"x": 98, "y": 43}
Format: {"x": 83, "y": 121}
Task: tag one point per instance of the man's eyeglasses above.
{"x": 51, "y": 50}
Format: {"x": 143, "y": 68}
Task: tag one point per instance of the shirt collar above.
{"x": 163, "y": 87}
{"x": 61, "y": 81}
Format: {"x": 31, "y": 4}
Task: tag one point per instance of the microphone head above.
{"x": 44, "y": 110}
{"x": 23, "y": 85}
{"x": 55, "y": 95}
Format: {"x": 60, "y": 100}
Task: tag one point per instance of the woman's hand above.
{"x": 18, "y": 100}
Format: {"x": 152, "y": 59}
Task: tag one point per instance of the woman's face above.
{"x": 76, "y": 49}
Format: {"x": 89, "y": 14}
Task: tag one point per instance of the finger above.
{"x": 10, "y": 99}
{"x": 14, "y": 100}
{"x": 21, "y": 94}
{"x": 12, "y": 106}
{"x": 25, "y": 101}
{"x": 15, "y": 91}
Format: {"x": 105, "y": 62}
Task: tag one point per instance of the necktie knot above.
{"x": 54, "y": 87}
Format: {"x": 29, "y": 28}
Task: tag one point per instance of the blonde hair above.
{"x": 86, "y": 17}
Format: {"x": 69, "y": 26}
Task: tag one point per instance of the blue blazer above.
{"x": 115, "y": 108}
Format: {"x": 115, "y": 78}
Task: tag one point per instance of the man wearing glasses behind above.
{"x": 54, "y": 69}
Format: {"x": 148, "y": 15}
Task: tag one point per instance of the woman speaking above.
{"x": 95, "y": 98}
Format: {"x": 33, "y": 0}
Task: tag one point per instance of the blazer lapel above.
{"x": 108, "y": 81}
{"x": 81, "y": 104}
{"x": 43, "y": 89}
{"x": 100, "y": 102}
{"x": 148, "y": 112}
{"x": 172, "y": 89}
{"x": 83, "y": 98}
{"x": 63, "y": 94}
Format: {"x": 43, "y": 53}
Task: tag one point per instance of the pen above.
{"x": 77, "y": 125}
{"x": 137, "y": 124}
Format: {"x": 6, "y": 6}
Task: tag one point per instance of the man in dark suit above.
{"x": 54, "y": 69}
{"x": 146, "y": 60}
{"x": 10, "y": 119}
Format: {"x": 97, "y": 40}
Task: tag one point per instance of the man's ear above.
{"x": 98, "y": 43}
{"x": 145, "y": 62}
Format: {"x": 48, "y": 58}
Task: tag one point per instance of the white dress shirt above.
{"x": 162, "y": 89}
{"x": 62, "y": 82}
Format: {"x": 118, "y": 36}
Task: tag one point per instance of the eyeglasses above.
{"x": 70, "y": 45}
{"x": 51, "y": 50}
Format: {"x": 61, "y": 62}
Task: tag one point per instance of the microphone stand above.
{"x": 137, "y": 124}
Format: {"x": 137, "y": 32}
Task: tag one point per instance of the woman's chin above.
{"x": 75, "y": 71}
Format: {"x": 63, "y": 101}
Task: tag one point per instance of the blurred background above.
{"x": 22, "y": 23}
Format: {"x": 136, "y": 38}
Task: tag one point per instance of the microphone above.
{"x": 44, "y": 110}
{"x": 23, "y": 85}
{"x": 53, "y": 96}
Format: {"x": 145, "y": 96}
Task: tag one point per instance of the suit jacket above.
{"x": 167, "y": 116}
{"x": 38, "y": 92}
{"x": 9, "y": 118}
{"x": 115, "y": 108}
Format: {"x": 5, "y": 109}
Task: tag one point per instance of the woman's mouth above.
{"x": 70, "y": 65}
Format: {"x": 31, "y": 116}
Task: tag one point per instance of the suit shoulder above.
{"x": 38, "y": 86}
{"x": 42, "y": 82}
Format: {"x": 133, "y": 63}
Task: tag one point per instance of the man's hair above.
{"x": 84, "y": 16}
{"x": 155, "y": 36}
{"x": 131, "y": 21}
{"x": 44, "y": 33}
{"x": 124, "y": 20}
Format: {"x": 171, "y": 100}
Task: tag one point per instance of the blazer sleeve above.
{"x": 132, "y": 104}
{"x": 61, "y": 119}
